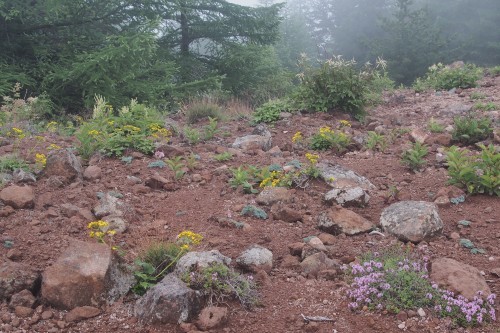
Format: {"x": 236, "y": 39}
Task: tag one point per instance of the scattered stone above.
{"x": 348, "y": 197}
{"x": 339, "y": 220}
{"x": 63, "y": 164}
{"x": 442, "y": 140}
{"x": 23, "y": 298}
{"x": 92, "y": 173}
{"x": 317, "y": 244}
{"x": 20, "y": 176}
{"x": 272, "y": 195}
{"x": 412, "y": 221}
{"x": 253, "y": 142}
{"x": 256, "y": 258}
{"x": 286, "y": 214}
{"x": 458, "y": 277}
{"x": 22, "y": 311}
{"x": 157, "y": 182}
{"x": 15, "y": 277}
{"x": 342, "y": 177}
{"x": 317, "y": 262}
{"x": 193, "y": 260}
{"x": 115, "y": 223}
{"x": 327, "y": 239}
{"x": 212, "y": 317}
{"x": 18, "y": 197}
{"x": 14, "y": 254}
{"x": 110, "y": 205}
{"x": 85, "y": 274}
{"x": 418, "y": 135}
{"x": 421, "y": 312}
{"x": 296, "y": 248}
{"x": 81, "y": 313}
{"x": 6, "y": 211}
{"x": 169, "y": 302}
{"x": 47, "y": 314}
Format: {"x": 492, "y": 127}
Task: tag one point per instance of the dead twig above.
{"x": 316, "y": 319}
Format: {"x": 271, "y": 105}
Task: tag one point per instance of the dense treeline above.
{"x": 161, "y": 51}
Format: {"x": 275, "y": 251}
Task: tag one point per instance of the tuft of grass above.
{"x": 197, "y": 111}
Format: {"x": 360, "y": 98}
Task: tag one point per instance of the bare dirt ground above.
{"x": 40, "y": 234}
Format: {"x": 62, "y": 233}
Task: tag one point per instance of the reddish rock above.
{"x": 327, "y": 239}
{"x": 63, "y": 164}
{"x": 339, "y": 220}
{"x": 15, "y": 277}
{"x": 296, "y": 248}
{"x": 286, "y": 214}
{"x": 18, "y": 197}
{"x": 458, "y": 277}
{"x": 82, "y": 312}
{"x": 272, "y": 195}
{"x": 212, "y": 317}
{"x": 418, "y": 135}
{"x": 23, "y": 298}
{"x": 443, "y": 139}
{"x": 22, "y": 311}
{"x": 92, "y": 173}
{"x": 85, "y": 273}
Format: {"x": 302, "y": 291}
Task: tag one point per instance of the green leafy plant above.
{"x": 470, "y": 129}
{"x": 327, "y": 138}
{"x": 210, "y": 130}
{"x": 476, "y": 173}
{"x": 251, "y": 210}
{"x": 9, "y": 163}
{"x": 175, "y": 164}
{"x": 192, "y": 161}
{"x": 445, "y": 77}
{"x": 414, "y": 157}
{"x": 160, "y": 258}
{"x": 375, "y": 141}
{"x": 241, "y": 177}
{"x": 494, "y": 71}
{"x": 222, "y": 157}
{"x": 435, "y": 127}
{"x": 270, "y": 112}
{"x": 335, "y": 84}
{"x": 477, "y": 95}
{"x": 490, "y": 106}
{"x": 192, "y": 135}
{"x": 202, "y": 110}
{"x": 220, "y": 283}
{"x": 16, "y": 108}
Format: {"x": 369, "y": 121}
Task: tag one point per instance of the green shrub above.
{"x": 270, "y": 112}
{"x": 494, "y": 71}
{"x": 335, "y": 84}
{"x": 375, "y": 141}
{"x": 15, "y": 109}
{"x": 220, "y": 283}
{"x": 202, "y": 110}
{"x": 326, "y": 138}
{"x": 210, "y": 130}
{"x": 414, "y": 157}
{"x": 442, "y": 77}
{"x": 476, "y": 173}
{"x": 192, "y": 135}
{"x": 470, "y": 129}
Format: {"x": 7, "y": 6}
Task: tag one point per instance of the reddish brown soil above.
{"x": 41, "y": 234}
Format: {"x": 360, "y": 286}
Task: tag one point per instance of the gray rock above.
{"x": 110, "y": 205}
{"x": 412, "y": 221}
{"x": 458, "y": 277}
{"x": 21, "y": 176}
{"x": 256, "y": 258}
{"x": 64, "y": 164}
{"x": 339, "y": 220}
{"x": 168, "y": 302}
{"x": 191, "y": 261}
{"x": 85, "y": 274}
{"x": 23, "y": 298}
{"x": 316, "y": 263}
{"x": 343, "y": 178}
{"x": 253, "y": 142}
{"x": 15, "y": 277}
{"x": 115, "y": 223}
{"x": 348, "y": 197}
{"x": 261, "y": 130}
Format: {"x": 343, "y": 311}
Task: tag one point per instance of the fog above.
{"x": 245, "y": 2}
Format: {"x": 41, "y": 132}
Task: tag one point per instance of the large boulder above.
{"x": 256, "y": 258}
{"x": 339, "y": 220}
{"x": 170, "y": 301}
{"x": 18, "y": 197}
{"x": 341, "y": 178}
{"x": 458, "y": 277}
{"x": 412, "y": 221}
{"x": 15, "y": 277}
{"x": 192, "y": 261}
{"x": 85, "y": 274}
{"x": 64, "y": 164}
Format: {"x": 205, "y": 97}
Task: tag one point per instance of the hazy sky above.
{"x": 245, "y": 2}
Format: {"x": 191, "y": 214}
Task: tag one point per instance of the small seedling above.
{"x": 222, "y": 157}
{"x": 375, "y": 141}
{"x": 414, "y": 157}
{"x": 176, "y": 166}
{"x": 192, "y": 135}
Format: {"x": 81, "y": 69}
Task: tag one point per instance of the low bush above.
{"x": 414, "y": 157}
{"x": 470, "y": 129}
{"x": 442, "y": 77}
{"x": 197, "y": 111}
{"x": 270, "y": 112}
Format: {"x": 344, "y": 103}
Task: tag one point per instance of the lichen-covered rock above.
{"x": 168, "y": 302}
{"x": 271, "y": 195}
{"x": 256, "y": 258}
{"x": 192, "y": 261}
{"x": 348, "y": 197}
{"x": 412, "y": 221}
{"x": 253, "y": 142}
{"x": 340, "y": 178}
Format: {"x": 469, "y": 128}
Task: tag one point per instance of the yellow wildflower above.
{"x": 297, "y": 137}
{"x": 345, "y": 123}
{"x": 39, "y": 138}
{"x": 52, "y": 126}
{"x": 312, "y": 158}
{"x": 93, "y": 133}
{"x": 53, "y": 146}
{"x": 40, "y": 160}
{"x": 131, "y": 128}
{"x": 111, "y": 232}
{"x": 189, "y": 237}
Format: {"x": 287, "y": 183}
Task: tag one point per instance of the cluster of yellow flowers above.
{"x": 40, "y": 160}
{"x": 40, "y": 138}
{"x": 93, "y": 133}
{"x": 131, "y": 129}
{"x": 51, "y": 126}
{"x": 312, "y": 158}
{"x": 99, "y": 229}
{"x": 325, "y": 131}
{"x": 273, "y": 180}
{"x": 345, "y": 123}
{"x": 16, "y": 133}
{"x": 160, "y": 132}
{"x": 187, "y": 238}
{"x": 297, "y": 137}
{"x": 53, "y": 146}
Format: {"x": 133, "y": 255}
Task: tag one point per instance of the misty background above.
{"x": 165, "y": 51}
